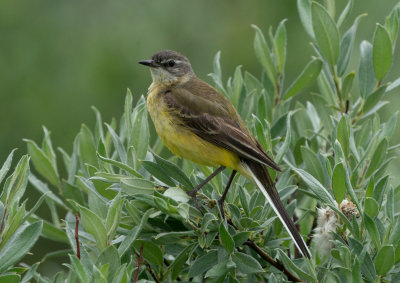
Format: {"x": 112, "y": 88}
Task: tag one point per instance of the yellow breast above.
{"x": 180, "y": 140}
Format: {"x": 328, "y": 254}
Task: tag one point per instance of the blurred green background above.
{"x": 57, "y": 58}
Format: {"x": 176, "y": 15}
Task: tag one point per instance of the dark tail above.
{"x": 263, "y": 180}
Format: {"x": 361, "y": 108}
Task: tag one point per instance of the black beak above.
{"x": 148, "y": 63}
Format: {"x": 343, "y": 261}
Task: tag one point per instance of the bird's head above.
{"x": 169, "y": 66}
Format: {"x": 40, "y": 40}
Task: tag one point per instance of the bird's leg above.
{"x": 222, "y": 199}
{"x": 193, "y": 193}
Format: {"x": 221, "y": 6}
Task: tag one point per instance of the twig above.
{"x": 152, "y": 273}
{"x": 347, "y": 106}
{"x": 135, "y": 279}
{"x": 267, "y": 257}
{"x": 149, "y": 269}
{"x": 275, "y": 263}
{"x": 78, "y": 251}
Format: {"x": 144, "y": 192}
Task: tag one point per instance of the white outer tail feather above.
{"x": 263, "y": 190}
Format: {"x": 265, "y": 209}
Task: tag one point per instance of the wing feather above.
{"x": 214, "y": 119}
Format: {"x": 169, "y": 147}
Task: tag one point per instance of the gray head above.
{"x": 168, "y": 66}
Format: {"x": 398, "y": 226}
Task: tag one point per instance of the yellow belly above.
{"x": 183, "y": 142}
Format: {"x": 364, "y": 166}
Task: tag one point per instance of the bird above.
{"x": 197, "y": 122}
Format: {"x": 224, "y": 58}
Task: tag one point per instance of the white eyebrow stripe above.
{"x": 166, "y": 61}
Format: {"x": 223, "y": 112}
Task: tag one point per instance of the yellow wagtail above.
{"x": 198, "y": 123}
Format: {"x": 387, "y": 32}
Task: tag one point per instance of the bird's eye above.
{"x": 171, "y": 63}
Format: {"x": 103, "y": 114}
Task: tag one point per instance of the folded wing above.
{"x": 215, "y": 120}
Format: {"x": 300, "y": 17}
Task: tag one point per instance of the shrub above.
{"x": 128, "y": 216}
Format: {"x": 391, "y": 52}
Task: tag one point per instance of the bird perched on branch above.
{"x": 198, "y": 123}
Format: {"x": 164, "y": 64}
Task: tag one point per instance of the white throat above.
{"x": 162, "y": 76}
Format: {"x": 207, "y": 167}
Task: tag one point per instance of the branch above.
{"x": 148, "y": 267}
{"x": 135, "y": 279}
{"x": 78, "y": 251}
{"x": 267, "y": 257}
{"x": 275, "y": 263}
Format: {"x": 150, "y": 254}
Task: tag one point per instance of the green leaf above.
{"x": 51, "y": 232}
{"x": 241, "y": 237}
{"x": 78, "y": 268}
{"x": 42, "y": 163}
{"x": 10, "y": 278}
{"x": 6, "y": 166}
{"x": 99, "y": 274}
{"x": 111, "y": 257}
{"x": 177, "y": 195}
{"x": 304, "y": 8}
{"x": 347, "y": 85}
{"x": 285, "y": 146}
{"x": 19, "y": 244}
{"x": 117, "y": 144}
{"x": 128, "y": 111}
{"x": 87, "y": 148}
{"x": 371, "y": 207}
{"x": 372, "y": 231}
{"x": 315, "y": 186}
{"x": 313, "y": 164}
{"x": 226, "y": 239}
{"x": 203, "y": 263}
{"x": 382, "y": 52}
{"x": 392, "y": 23}
{"x": 366, "y": 75}
{"x": 140, "y": 133}
{"x": 288, "y": 262}
{"x": 367, "y": 266}
{"x": 217, "y": 75}
{"x": 95, "y": 226}
{"x": 263, "y": 55}
{"x": 151, "y": 252}
{"x": 356, "y": 274}
{"x": 206, "y": 220}
{"x": 30, "y": 273}
{"x": 326, "y": 33}
{"x": 133, "y": 234}
{"x": 113, "y": 216}
{"x": 173, "y": 172}
{"x": 16, "y": 184}
{"x": 237, "y": 86}
{"x": 120, "y": 165}
{"x": 384, "y": 260}
{"x": 378, "y": 157}
{"x": 43, "y": 189}
{"x": 390, "y": 205}
{"x": 245, "y": 263}
{"x": 35, "y": 207}
{"x": 218, "y": 270}
{"x": 374, "y": 98}
{"x": 309, "y": 74}
{"x": 176, "y": 266}
{"x": 48, "y": 148}
{"x": 343, "y": 135}
{"x": 133, "y": 186}
{"x": 346, "y": 46}
{"x": 393, "y": 85}
{"x": 157, "y": 173}
{"x": 280, "y": 42}
{"x": 339, "y": 182}
{"x": 346, "y": 11}
{"x": 98, "y": 128}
